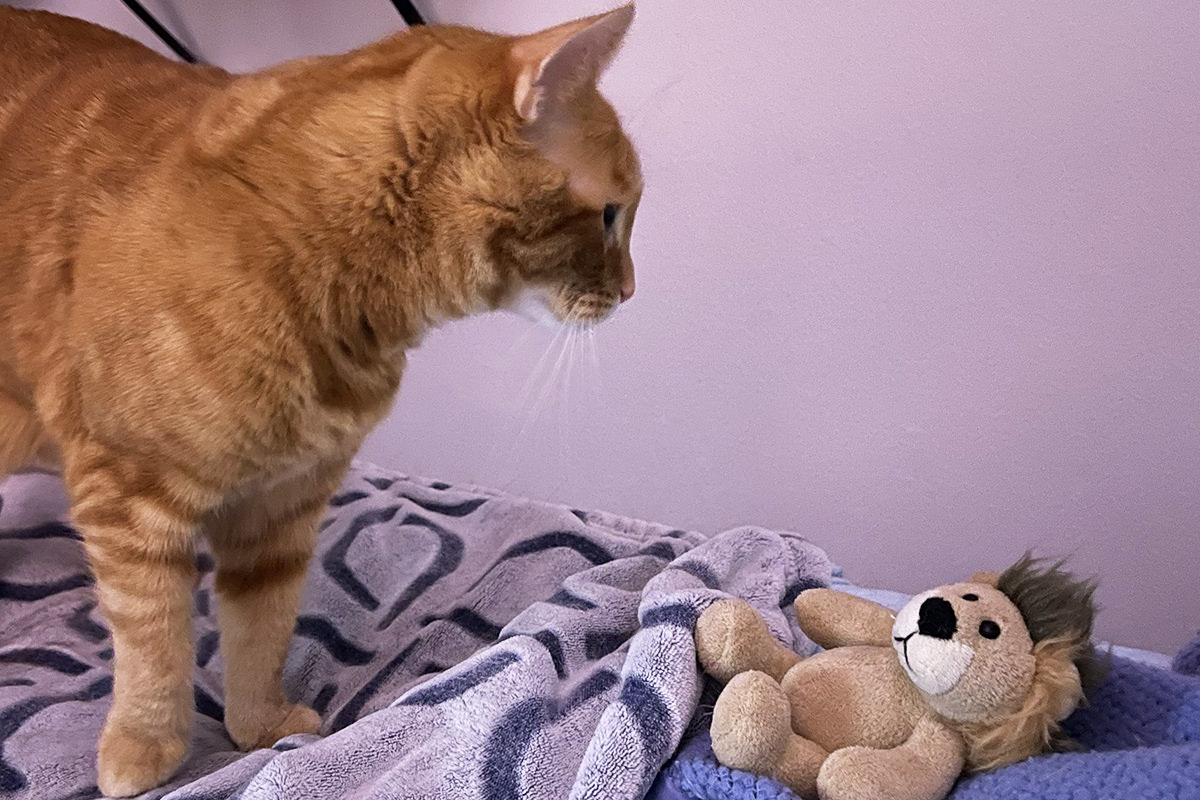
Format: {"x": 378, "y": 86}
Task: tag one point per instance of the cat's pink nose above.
{"x": 627, "y": 287}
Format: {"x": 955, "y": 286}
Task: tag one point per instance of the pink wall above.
{"x": 920, "y": 280}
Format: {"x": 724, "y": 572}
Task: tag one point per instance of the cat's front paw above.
{"x": 129, "y": 763}
{"x": 266, "y": 728}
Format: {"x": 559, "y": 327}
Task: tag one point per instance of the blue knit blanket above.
{"x": 458, "y": 643}
{"x": 1141, "y": 733}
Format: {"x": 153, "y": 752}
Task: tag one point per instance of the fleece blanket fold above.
{"x": 458, "y": 643}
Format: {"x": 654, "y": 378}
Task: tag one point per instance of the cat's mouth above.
{"x": 553, "y": 308}
{"x": 586, "y": 309}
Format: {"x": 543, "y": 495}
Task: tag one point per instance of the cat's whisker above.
{"x": 652, "y": 104}
{"x": 560, "y": 393}
{"x": 562, "y": 387}
{"x": 516, "y": 357}
{"x": 551, "y": 384}
{"x": 594, "y": 362}
{"x": 527, "y": 391}
{"x": 553, "y": 387}
{"x": 565, "y": 406}
{"x": 522, "y": 420}
{"x": 532, "y": 410}
{"x": 519, "y": 343}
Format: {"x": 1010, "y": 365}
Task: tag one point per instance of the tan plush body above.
{"x": 896, "y": 707}
{"x": 211, "y": 281}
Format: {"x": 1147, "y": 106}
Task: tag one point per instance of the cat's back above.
{"x": 35, "y": 42}
{"x": 64, "y": 79}
{"x": 48, "y": 57}
{"x": 84, "y": 113}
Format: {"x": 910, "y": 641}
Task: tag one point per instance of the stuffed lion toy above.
{"x": 966, "y": 677}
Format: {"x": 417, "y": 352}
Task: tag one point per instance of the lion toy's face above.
{"x": 966, "y": 648}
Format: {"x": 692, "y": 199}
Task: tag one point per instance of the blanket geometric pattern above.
{"x": 458, "y": 642}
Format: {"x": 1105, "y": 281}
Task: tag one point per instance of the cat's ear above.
{"x": 557, "y": 63}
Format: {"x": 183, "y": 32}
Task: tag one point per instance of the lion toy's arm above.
{"x": 731, "y": 637}
{"x": 836, "y": 619}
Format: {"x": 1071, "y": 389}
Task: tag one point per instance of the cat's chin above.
{"x": 533, "y": 304}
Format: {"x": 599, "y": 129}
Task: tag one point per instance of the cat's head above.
{"x": 544, "y": 200}
{"x": 487, "y": 166}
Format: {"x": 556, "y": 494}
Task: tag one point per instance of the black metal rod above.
{"x": 162, "y": 33}
{"x": 409, "y": 12}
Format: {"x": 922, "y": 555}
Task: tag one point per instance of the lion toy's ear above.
{"x": 990, "y": 578}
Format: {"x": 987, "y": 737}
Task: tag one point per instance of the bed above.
{"x": 464, "y": 643}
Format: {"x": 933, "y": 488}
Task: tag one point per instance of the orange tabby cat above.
{"x": 210, "y": 282}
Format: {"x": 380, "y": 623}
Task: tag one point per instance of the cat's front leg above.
{"x": 139, "y": 536}
{"x": 263, "y": 545}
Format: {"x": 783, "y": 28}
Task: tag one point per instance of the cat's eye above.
{"x": 989, "y": 629}
{"x": 610, "y": 215}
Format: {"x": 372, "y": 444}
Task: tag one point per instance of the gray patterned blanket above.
{"x": 459, "y": 643}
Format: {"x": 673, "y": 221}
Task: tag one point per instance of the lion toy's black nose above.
{"x": 937, "y": 619}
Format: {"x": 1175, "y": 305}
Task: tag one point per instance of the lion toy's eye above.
{"x": 610, "y": 215}
{"x": 989, "y": 629}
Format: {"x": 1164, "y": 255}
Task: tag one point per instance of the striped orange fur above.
{"x": 211, "y": 281}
